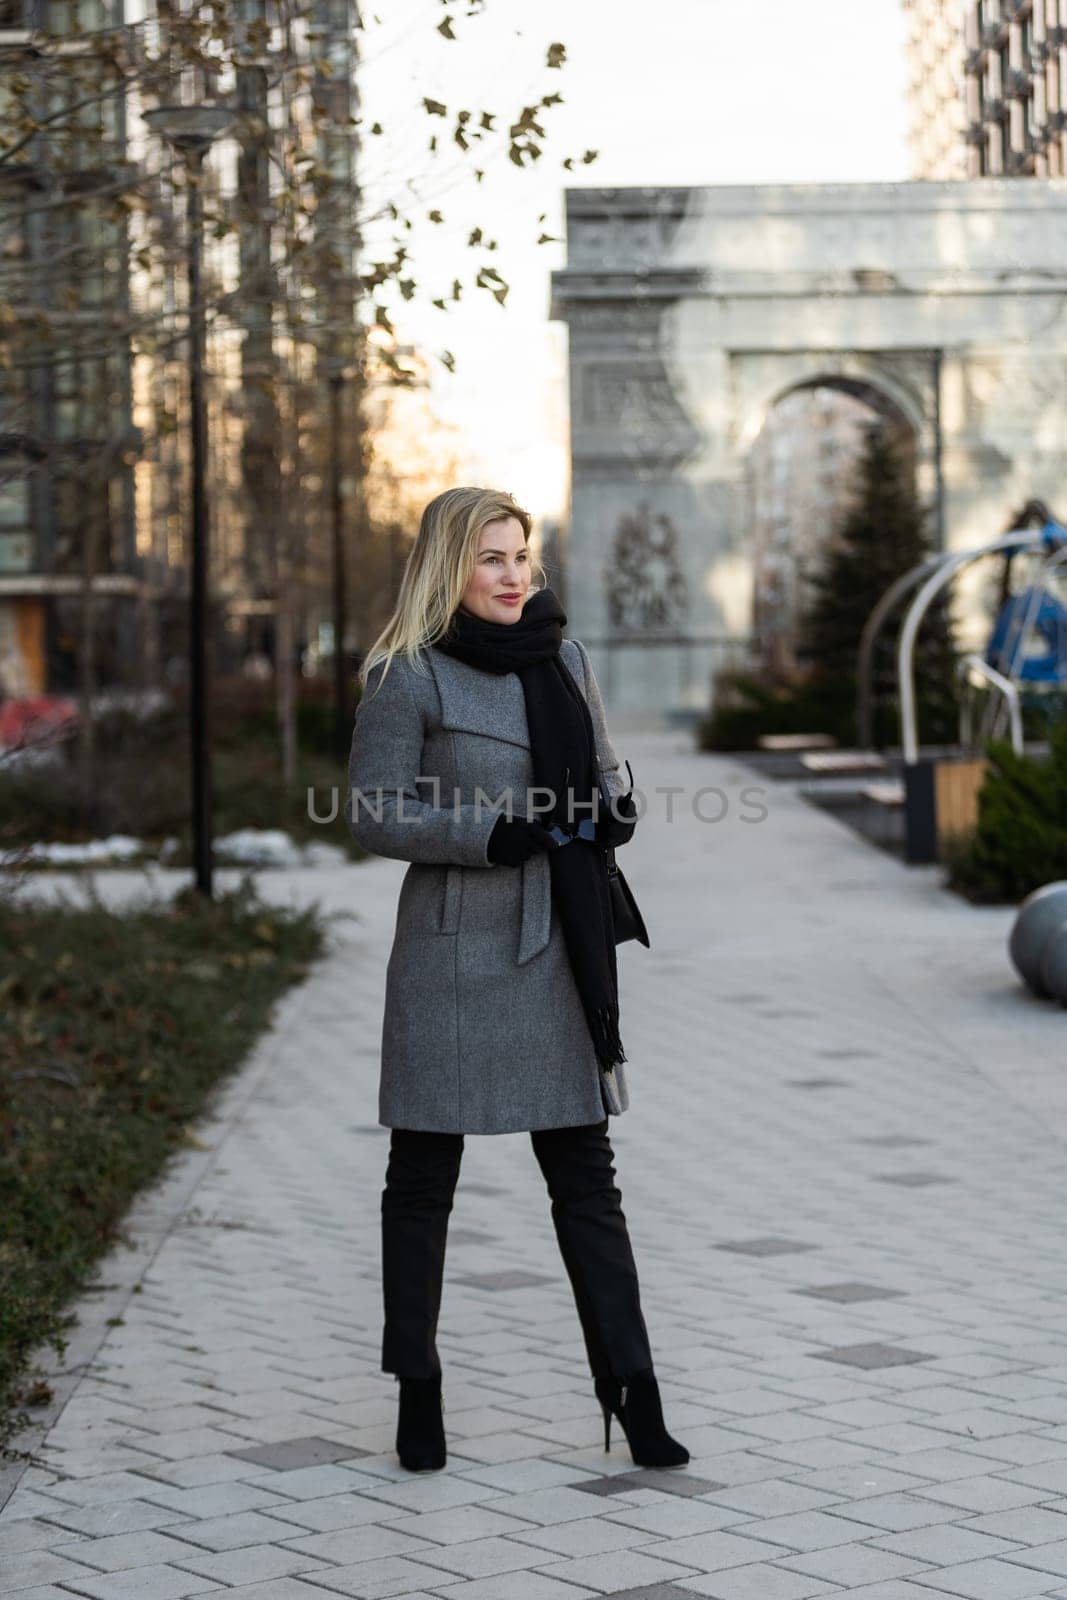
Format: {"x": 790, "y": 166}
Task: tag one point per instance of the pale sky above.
{"x": 669, "y": 92}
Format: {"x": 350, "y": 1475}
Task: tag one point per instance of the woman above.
{"x": 478, "y": 744}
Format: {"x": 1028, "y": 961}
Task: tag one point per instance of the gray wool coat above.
{"x": 483, "y": 1029}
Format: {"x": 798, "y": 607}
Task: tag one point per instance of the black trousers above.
{"x": 420, "y": 1182}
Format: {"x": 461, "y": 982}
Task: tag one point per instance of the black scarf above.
{"x": 561, "y": 738}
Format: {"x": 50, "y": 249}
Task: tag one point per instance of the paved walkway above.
{"x": 844, "y": 1171}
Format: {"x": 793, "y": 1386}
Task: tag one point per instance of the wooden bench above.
{"x": 890, "y": 792}
{"x": 840, "y": 762}
{"x": 796, "y": 741}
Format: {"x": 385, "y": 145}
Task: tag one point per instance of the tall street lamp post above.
{"x": 191, "y": 130}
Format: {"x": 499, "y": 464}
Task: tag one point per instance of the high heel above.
{"x": 420, "y": 1430}
{"x": 636, "y": 1403}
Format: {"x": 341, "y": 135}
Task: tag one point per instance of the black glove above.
{"x": 614, "y": 829}
{"x": 513, "y": 840}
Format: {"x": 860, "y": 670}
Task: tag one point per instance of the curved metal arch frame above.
{"x": 872, "y": 628}
{"x": 1018, "y": 539}
{"x": 976, "y": 666}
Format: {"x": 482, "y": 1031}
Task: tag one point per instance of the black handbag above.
{"x": 629, "y": 923}
{"x": 625, "y": 912}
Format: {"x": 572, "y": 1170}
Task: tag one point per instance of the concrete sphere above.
{"x": 1039, "y": 915}
{"x": 1054, "y": 963}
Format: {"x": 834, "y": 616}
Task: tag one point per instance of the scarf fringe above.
{"x": 606, "y": 1039}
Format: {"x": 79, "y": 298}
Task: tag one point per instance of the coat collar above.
{"x": 489, "y": 703}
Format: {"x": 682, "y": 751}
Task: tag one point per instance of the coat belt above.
{"x": 535, "y": 920}
{"x": 535, "y": 928}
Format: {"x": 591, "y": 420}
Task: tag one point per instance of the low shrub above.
{"x": 115, "y": 1029}
{"x": 1020, "y": 840}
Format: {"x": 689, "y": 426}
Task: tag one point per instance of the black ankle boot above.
{"x": 420, "y": 1431}
{"x": 636, "y": 1403}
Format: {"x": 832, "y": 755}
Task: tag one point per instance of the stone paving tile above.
{"x": 458, "y": 1524}
{"x": 231, "y": 1533}
{"x": 28, "y": 1533}
{"x": 522, "y": 1477}
{"x": 987, "y": 1494}
{"x": 435, "y": 1492}
{"x": 278, "y": 1589}
{"x": 858, "y": 1483}
{"x": 896, "y": 1513}
{"x": 775, "y": 1497}
{"x": 96, "y": 1489}
{"x": 251, "y": 1563}
{"x": 520, "y": 1586}
{"x": 651, "y": 1591}
{"x": 289, "y": 1454}
{"x": 769, "y": 1246}
{"x": 990, "y": 1580}
{"x": 22, "y": 1568}
{"x": 803, "y": 1530}
{"x": 821, "y": 1452}
{"x": 308, "y": 1483}
{"x": 617, "y": 1571}
{"x": 944, "y": 1399}
{"x": 945, "y": 1544}
{"x": 903, "y": 1438}
{"x": 1050, "y": 1476}
{"x": 707, "y": 1552}
{"x": 384, "y": 1575}
{"x": 44, "y": 1591}
{"x": 676, "y": 1518}
{"x": 1020, "y": 1449}
{"x": 849, "y": 1293}
{"x": 892, "y": 1590}
{"x": 952, "y": 1465}
{"x": 332, "y": 1512}
{"x": 1048, "y": 1556}
{"x": 214, "y": 1499}
{"x": 364, "y": 1543}
{"x": 760, "y": 1582}
{"x": 772, "y": 1254}
{"x": 1029, "y": 1525}
{"x": 752, "y": 1402}
{"x": 474, "y": 1424}
{"x": 120, "y": 1516}
{"x": 664, "y": 1482}
{"x": 873, "y": 1355}
{"x": 979, "y": 1423}
{"x": 484, "y": 1558}
{"x": 117, "y": 1552}
{"x": 851, "y": 1565}
{"x": 586, "y": 1538}
{"x": 143, "y": 1583}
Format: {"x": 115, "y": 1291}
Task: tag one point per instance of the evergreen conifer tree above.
{"x": 882, "y": 537}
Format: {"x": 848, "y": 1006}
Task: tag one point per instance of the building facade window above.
{"x": 14, "y": 503}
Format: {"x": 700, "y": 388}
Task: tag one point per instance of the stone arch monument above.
{"x": 692, "y": 312}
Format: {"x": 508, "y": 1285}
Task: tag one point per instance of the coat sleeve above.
{"x": 384, "y": 809}
{"x": 615, "y": 781}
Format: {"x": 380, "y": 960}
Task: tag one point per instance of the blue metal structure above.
{"x": 1029, "y": 639}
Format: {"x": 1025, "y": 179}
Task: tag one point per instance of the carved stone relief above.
{"x": 631, "y": 396}
{"x": 645, "y": 585}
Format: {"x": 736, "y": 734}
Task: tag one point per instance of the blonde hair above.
{"x": 438, "y": 569}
